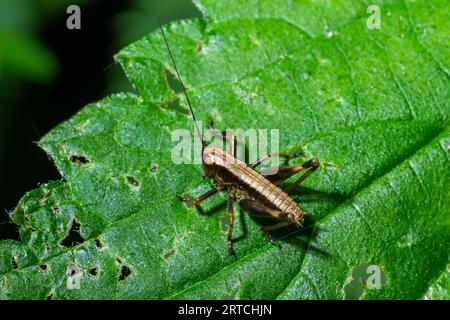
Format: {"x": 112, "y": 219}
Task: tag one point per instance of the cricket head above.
{"x": 211, "y": 161}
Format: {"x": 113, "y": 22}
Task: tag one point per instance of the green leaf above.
{"x": 372, "y": 105}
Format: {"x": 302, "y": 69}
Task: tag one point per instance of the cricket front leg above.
{"x": 230, "y": 223}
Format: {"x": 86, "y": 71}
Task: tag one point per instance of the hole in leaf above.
{"x": 50, "y": 296}
{"x": 132, "y": 181}
{"x": 27, "y": 220}
{"x": 74, "y": 237}
{"x": 43, "y": 266}
{"x": 56, "y": 210}
{"x": 14, "y": 263}
{"x": 73, "y": 271}
{"x": 124, "y": 273}
{"x": 363, "y": 278}
{"x": 80, "y": 159}
{"x": 153, "y": 169}
{"x": 93, "y": 272}
{"x": 168, "y": 254}
{"x": 44, "y": 196}
{"x": 98, "y": 243}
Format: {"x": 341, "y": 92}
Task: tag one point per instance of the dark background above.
{"x": 48, "y": 73}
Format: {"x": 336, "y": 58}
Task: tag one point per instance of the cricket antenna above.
{"x": 182, "y": 84}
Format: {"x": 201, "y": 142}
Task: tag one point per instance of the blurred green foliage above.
{"x": 139, "y": 20}
{"x": 24, "y": 56}
{"x": 22, "y": 53}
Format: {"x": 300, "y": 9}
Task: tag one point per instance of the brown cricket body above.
{"x": 230, "y": 171}
{"x": 255, "y": 192}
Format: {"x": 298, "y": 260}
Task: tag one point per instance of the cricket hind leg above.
{"x": 255, "y": 206}
{"x": 272, "y": 155}
{"x": 276, "y": 175}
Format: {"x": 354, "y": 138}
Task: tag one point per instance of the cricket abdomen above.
{"x": 231, "y": 171}
{"x": 263, "y": 188}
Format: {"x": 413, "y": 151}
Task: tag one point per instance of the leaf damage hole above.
{"x": 72, "y": 271}
{"x": 132, "y": 181}
{"x": 124, "y": 273}
{"x": 56, "y": 210}
{"x": 50, "y": 296}
{"x": 98, "y": 243}
{"x": 153, "y": 169}
{"x": 14, "y": 263}
{"x": 93, "y": 272}
{"x": 168, "y": 254}
{"x": 44, "y": 196}
{"x": 362, "y": 279}
{"x": 25, "y": 217}
{"x": 43, "y": 266}
{"x": 79, "y": 159}
{"x": 74, "y": 237}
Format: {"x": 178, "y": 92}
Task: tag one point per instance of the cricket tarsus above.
{"x": 269, "y": 237}
{"x": 254, "y": 191}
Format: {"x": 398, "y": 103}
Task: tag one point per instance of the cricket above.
{"x": 255, "y": 192}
